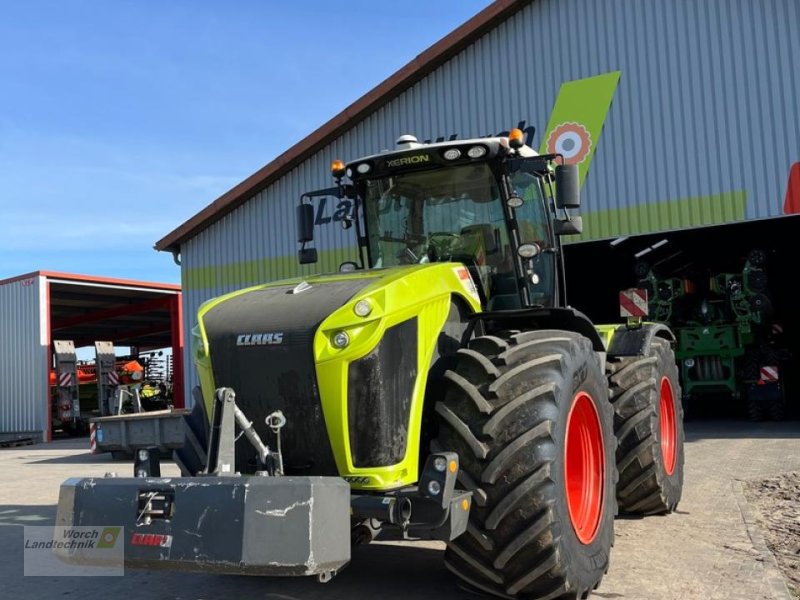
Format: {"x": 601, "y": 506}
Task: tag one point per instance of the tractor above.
{"x": 438, "y": 387}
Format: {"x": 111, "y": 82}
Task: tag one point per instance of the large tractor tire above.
{"x": 648, "y": 423}
{"x": 528, "y": 414}
{"x": 777, "y": 407}
{"x": 754, "y": 408}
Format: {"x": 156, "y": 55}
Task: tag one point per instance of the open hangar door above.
{"x": 83, "y": 310}
{"x": 598, "y": 270}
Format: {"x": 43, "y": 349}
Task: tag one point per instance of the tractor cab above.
{"x": 487, "y": 203}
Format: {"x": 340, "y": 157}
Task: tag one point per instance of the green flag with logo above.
{"x": 577, "y": 119}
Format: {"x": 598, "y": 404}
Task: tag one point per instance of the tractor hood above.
{"x": 344, "y": 357}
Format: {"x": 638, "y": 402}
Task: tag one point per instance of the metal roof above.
{"x": 419, "y": 67}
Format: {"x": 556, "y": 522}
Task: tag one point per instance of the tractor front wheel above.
{"x": 528, "y": 414}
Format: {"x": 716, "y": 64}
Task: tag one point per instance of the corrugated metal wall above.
{"x": 23, "y": 356}
{"x": 704, "y": 126}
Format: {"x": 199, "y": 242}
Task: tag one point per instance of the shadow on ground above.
{"x": 21, "y": 514}
{"x": 736, "y": 429}
{"x": 387, "y": 571}
{"x": 86, "y": 458}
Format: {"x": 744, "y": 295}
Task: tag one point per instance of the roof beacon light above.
{"x": 337, "y": 168}
{"x": 516, "y": 138}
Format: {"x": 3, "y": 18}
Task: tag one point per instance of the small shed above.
{"x": 39, "y": 307}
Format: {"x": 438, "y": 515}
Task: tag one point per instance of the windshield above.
{"x": 433, "y": 215}
{"x": 453, "y": 214}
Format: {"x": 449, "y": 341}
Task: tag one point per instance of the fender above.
{"x": 635, "y": 341}
{"x": 567, "y": 319}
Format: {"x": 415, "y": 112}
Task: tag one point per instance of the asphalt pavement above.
{"x": 708, "y": 550}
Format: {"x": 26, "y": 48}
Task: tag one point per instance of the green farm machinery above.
{"x": 728, "y": 342}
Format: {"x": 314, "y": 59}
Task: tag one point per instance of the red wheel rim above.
{"x": 585, "y": 467}
{"x": 668, "y": 427}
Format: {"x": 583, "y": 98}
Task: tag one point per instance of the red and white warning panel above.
{"x": 769, "y": 374}
{"x": 65, "y": 379}
{"x": 633, "y": 303}
{"x": 466, "y": 281}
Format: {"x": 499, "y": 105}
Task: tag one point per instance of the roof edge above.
{"x": 393, "y": 86}
{"x": 22, "y": 277}
{"x": 155, "y": 286}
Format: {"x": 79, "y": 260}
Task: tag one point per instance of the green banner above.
{"x": 667, "y": 215}
{"x": 577, "y": 119}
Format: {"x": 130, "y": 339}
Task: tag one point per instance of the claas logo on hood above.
{"x": 260, "y": 339}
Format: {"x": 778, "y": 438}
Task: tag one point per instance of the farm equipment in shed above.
{"x": 64, "y": 382}
{"x": 136, "y": 406}
{"x": 437, "y": 387}
{"x": 85, "y": 393}
{"x": 726, "y": 340}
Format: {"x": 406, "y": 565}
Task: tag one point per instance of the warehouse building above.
{"x": 39, "y": 308}
{"x": 682, "y": 116}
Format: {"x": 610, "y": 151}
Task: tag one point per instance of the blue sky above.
{"x": 119, "y": 119}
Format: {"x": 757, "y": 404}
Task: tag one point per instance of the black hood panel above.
{"x": 261, "y": 345}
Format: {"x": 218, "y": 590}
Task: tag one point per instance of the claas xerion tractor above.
{"x": 439, "y": 387}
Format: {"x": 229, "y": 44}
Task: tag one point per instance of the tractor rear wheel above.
{"x": 528, "y": 415}
{"x": 648, "y": 423}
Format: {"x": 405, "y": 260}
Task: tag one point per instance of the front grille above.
{"x": 277, "y": 376}
{"x": 379, "y": 390}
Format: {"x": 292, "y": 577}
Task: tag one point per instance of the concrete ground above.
{"x": 710, "y": 549}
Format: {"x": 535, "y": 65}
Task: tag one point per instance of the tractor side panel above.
{"x": 373, "y": 391}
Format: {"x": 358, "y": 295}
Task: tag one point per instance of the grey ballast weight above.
{"x": 248, "y": 525}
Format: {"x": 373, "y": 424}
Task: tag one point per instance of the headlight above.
{"x": 341, "y": 339}
{"x": 528, "y": 250}
{"x": 452, "y": 153}
{"x": 476, "y": 151}
{"x": 362, "y": 308}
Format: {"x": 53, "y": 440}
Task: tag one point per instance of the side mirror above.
{"x": 305, "y": 224}
{"x": 306, "y": 256}
{"x": 572, "y": 227}
{"x": 568, "y": 186}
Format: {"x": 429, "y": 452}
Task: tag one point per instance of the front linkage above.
{"x": 265, "y": 524}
